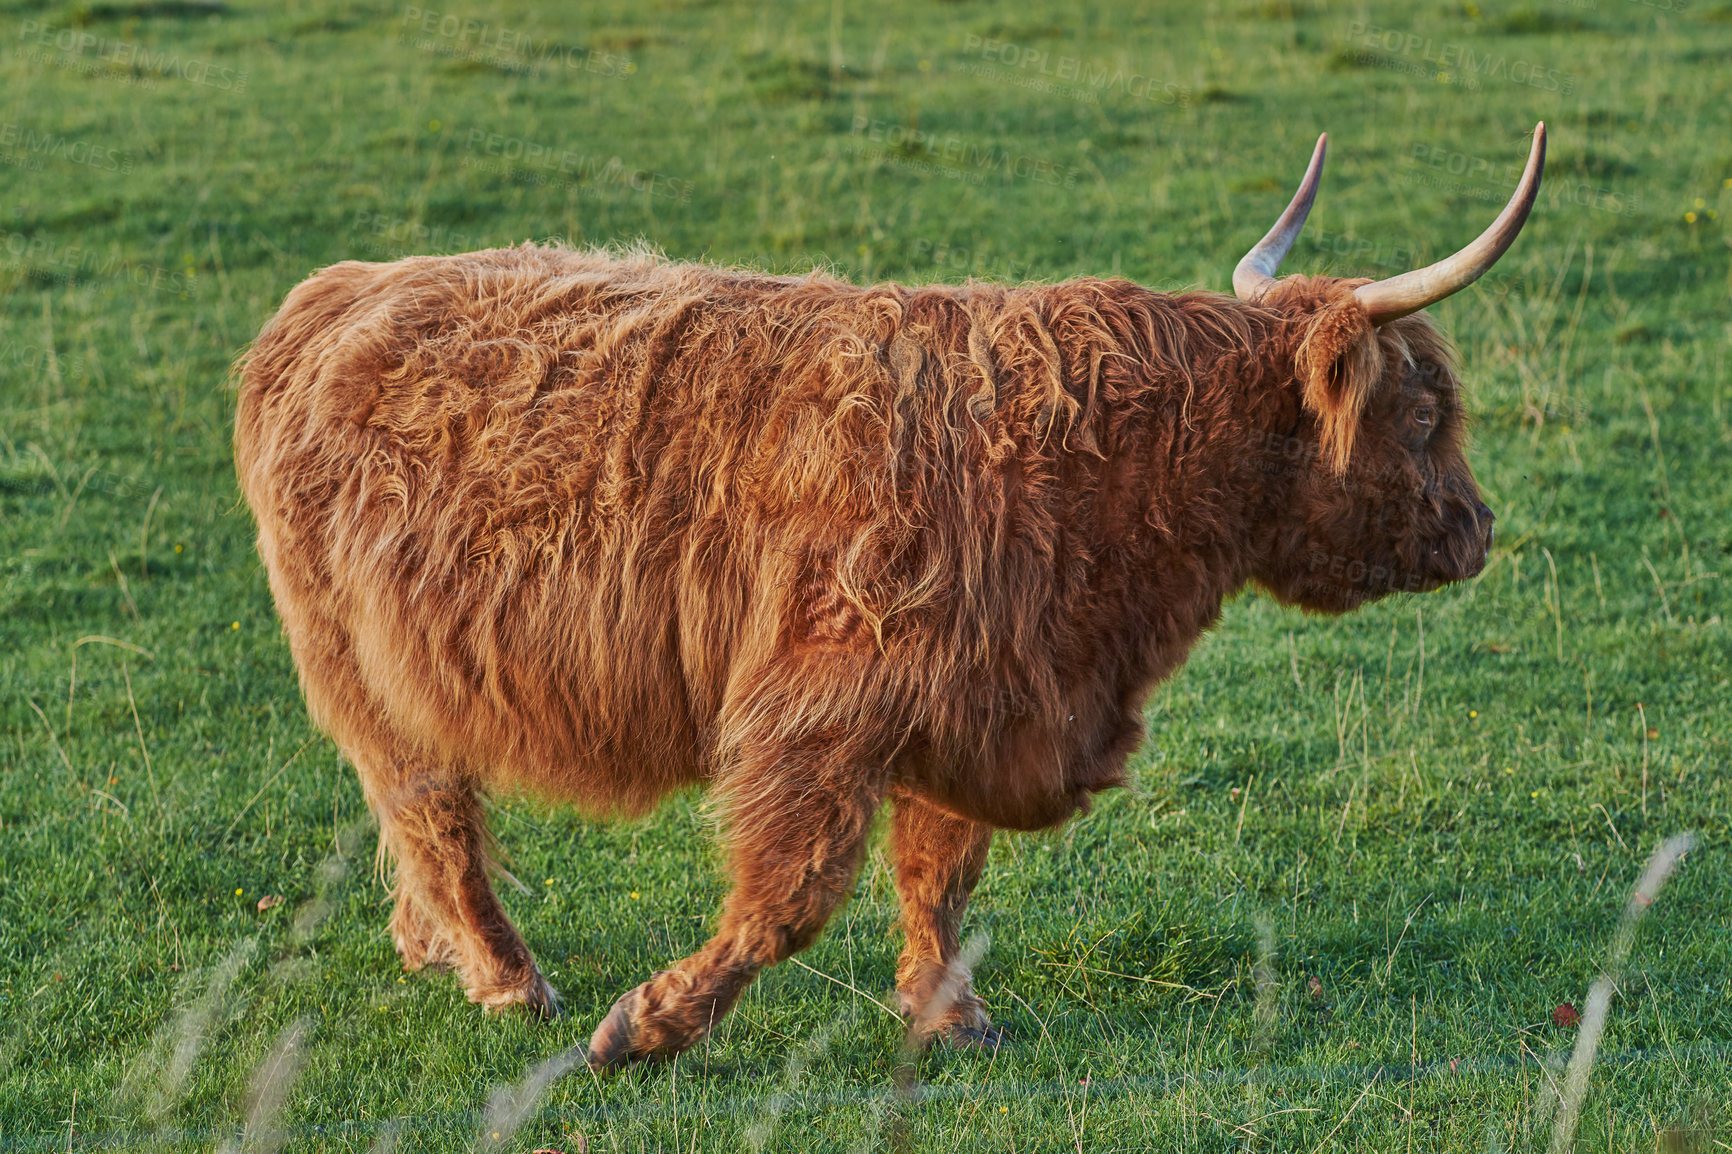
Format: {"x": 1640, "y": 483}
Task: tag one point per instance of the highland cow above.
{"x": 604, "y": 527}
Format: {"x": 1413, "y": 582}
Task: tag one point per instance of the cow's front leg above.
{"x": 797, "y": 817}
{"x": 938, "y": 860}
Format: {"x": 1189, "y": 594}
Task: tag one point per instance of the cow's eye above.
{"x": 1425, "y": 415}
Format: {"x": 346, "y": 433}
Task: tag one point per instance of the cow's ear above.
{"x": 1338, "y": 365}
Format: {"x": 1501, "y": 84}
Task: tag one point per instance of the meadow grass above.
{"x": 1363, "y": 860}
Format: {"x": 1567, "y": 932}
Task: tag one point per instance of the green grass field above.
{"x": 1364, "y": 858}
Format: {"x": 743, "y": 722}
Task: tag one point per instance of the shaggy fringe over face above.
{"x": 1342, "y": 360}
{"x": 1340, "y": 364}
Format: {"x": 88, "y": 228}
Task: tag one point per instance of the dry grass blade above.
{"x": 390, "y": 1134}
{"x": 1346, "y": 1116}
{"x": 511, "y": 1106}
{"x": 847, "y": 986}
{"x": 280, "y": 771}
{"x": 54, "y": 741}
{"x": 954, "y": 983}
{"x": 801, "y": 1058}
{"x": 1575, "y": 1090}
{"x": 177, "y": 1045}
{"x": 272, "y": 1082}
{"x": 143, "y": 749}
{"x": 100, "y": 639}
{"x": 906, "y": 1077}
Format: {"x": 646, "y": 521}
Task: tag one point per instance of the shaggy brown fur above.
{"x": 605, "y": 527}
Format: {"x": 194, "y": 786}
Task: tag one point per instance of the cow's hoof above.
{"x": 964, "y": 1025}
{"x": 962, "y": 1037}
{"x": 534, "y": 995}
{"x": 611, "y": 1045}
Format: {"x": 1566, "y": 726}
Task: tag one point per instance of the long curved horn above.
{"x": 1255, "y": 274}
{"x": 1386, "y": 300}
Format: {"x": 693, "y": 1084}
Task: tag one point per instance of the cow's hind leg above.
{"x": 797, "y": 820}
{"x": 431, "y": 822}
{"x": 938, "y": 861}
{"x": 432, "y": 825}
